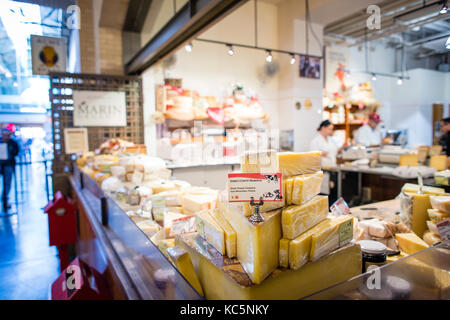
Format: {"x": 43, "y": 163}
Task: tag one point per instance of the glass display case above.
{"x": 421, "y": 276}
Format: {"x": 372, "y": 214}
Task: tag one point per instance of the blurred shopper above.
{"x": 444, "y": 141}
{"x": 7, "y": 164}
{"x": 325, "y": 143}
{"x": 369, "y": 134}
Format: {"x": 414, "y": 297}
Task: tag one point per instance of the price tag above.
{"x": 183, "y": 225}
{"x": 244, "y": 186}
{"x": 444, "y": 229}
{"x": 345, "y": 232}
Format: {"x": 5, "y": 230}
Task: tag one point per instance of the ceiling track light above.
{"x": 269, "y": 57}
{"x": 230, "y": 50}
{"x": 399, "y": 81}
{"x": 444, "y": 8}
{"x": 374, "y": 77}
{"x": 188, "y": 47}
{"x": 293, "y": 60}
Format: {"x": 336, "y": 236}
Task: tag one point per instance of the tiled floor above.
{"x": 28, "y": 265}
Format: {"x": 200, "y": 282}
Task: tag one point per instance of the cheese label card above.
{"x": 444, "y": 229}
{"x": 345, "y": 232}
{"x": 244, "y": 186}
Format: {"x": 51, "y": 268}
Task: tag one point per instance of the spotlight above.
{"x": 269, "y": 57}
{"x": 293, "y": 60}
{"x": 399, "y": 81}
{"x": 188, "y": 47}
{"x": 374, "y": 77}
{"x": 230, "y": 50}
{"x": 444, "y": 9}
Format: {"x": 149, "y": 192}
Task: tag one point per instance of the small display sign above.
{"x": 76, "y": 140}
{"x": 242, "y": 187}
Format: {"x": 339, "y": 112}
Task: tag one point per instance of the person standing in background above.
{"x": 7, "y": 164}
{"x": 444, "y": 141}
{"x": 369, "y": 135}
{"x": 325, "y": 143}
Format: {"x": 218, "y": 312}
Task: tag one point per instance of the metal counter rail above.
{"x": 146, "y": 273}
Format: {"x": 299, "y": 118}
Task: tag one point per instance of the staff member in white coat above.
{"x": 369, "y": 135}
{"x": 325, "y": 143}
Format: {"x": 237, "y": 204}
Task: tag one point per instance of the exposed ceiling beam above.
{"x": 136, "y": 15}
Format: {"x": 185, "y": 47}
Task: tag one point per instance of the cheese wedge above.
{"x": 437, "y": 216}
{"x": 438, "y": 162}
{"x": 209, "y": 229}
{"x": 419, "y": 217}
{"x": 230, "y": 234}
{"x": 297, "y": 219}
{"x": 289, "y": 184}
{"x": 182, "y": 261}
{"x": 431, "y": 238}
{"x": 257, "y": 243}
{"x": 410, "y": 160}
{"x": 441, "y": 203}
{"x": 297, "y": 163}
{"x": 305, "y": 187}
{"x": 284, "y": 253}
{"x": 410, "y": 242}
{"x": 338, "y": 232}
{"x": 193, "y": 203}
{"x": 260, "y": 162}
{"x": 414, "y": 188}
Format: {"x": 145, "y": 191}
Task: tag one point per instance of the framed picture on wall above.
{"x": 309, "y": 67}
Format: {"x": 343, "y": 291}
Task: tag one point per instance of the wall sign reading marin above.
{"x": 99, "y": 109}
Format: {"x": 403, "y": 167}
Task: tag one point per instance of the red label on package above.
{"x": 242, "y": 187}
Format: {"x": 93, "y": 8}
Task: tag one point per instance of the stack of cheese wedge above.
{"x": 295, "y": 231}
{"x": 440, "y": 212}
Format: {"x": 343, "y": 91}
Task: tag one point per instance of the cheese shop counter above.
{"x": 358, "y": 183}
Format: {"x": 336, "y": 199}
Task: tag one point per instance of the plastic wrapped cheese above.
{"x": 260, "y": 162}
{"x": 305, "y": 187}
{"x": 414, "y": 188}
{"x": 118, "y": 171}
{"x": 297, "y": 219}
{"x": 298, "y": 163}
{"x": 209, "y": 229}
{"x": 441, "y": 203}
{"x": 338, "y": 233}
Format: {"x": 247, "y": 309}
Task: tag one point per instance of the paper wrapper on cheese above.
{"x": 298, "y": 163}
{"x": 257, "y": 243}
{"x": 337, "y": 233}
{"x": 441, "y": 203}
{"x": 414, "y": 211}
{"x": 305, "y": 187}
{"x": 297, "y": 219}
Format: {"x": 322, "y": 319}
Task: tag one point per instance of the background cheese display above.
{"x": 225, "y": 279}
{"x": 438, "y": 162}
{"x": 414, "y": 188}
{"x": 297, "y": 219}
{"x": 410, "y": 160}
